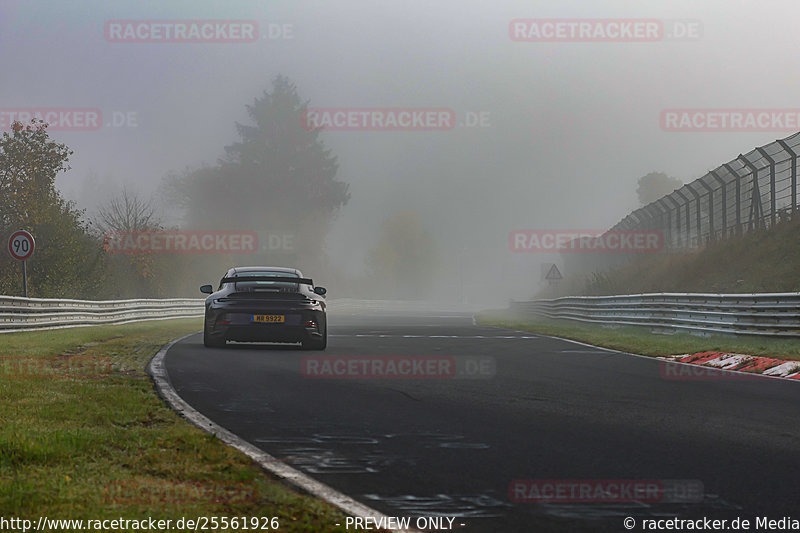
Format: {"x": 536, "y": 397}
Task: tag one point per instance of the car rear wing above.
{"x": 245, "y": 279}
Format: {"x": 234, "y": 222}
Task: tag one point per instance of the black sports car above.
{"x": 266, "y": 304}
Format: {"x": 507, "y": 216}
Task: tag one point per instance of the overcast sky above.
{"x": 571, "y": 125}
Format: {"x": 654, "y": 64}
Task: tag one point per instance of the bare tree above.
{"x": 125, "y": 213}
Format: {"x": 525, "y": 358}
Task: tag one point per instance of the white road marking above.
{"x": 382, "y": 336}
{"x": 650, "y": 357}
{"x": 158, "y": 371}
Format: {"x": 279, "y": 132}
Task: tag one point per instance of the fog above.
{"x": 568, "y": 127}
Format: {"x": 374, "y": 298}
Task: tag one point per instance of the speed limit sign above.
{"x": 20, "y": 245}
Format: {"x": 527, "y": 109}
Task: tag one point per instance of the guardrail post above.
{"x": 772, "y": 207}
{"x": 723, "y": 186}
{"x": 738, "y": 197}
{"x": 794, "y": 173}
{"x": 756, "y": 209}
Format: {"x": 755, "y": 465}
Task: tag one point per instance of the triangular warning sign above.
{"x": 553, "y": 274}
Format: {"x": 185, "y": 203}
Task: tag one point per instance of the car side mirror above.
{"x": 320, "y": 290}
{"x": 207, "y": 289}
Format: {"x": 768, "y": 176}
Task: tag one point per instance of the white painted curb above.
{"x": 158, "y": 371}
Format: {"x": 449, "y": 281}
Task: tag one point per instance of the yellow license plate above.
{"x": 268, "y": 319}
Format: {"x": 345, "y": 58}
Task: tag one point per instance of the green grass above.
{"x": 83, "y": 435}
{"x": 641, "y": 341}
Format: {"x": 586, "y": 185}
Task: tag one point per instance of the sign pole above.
{"x": 21, "y": 246}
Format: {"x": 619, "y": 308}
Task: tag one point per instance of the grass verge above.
{"x": 83, "y": 435}
{"x": 640, "y": 340}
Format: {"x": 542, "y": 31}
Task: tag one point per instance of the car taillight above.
{"x": 311, "y": 324}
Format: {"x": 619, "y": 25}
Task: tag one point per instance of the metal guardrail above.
{"x": 772, "y": 314}
{"x": 24, "y": 314}
{"x": 353, "y": 305}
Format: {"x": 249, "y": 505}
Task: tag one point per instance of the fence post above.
{"x": 772, "y": 207}
{"x": 756, "y": 209}
{"x": 655, "y": 216}
{"x": 686, "y": 202}
{"x": 696, "y": 197}
{"x": 710, "y": 208}
{"x": 738, "y": 197}
{"x": 677, "y": 216}
{"x": 661, "y": 203}
{"x": 724, "y": 206}
{"x": 643, "y": 217}
{"x": 637, "y": 221}
{"x": 794, "y": 173}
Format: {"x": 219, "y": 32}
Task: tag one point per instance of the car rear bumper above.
{"x": 298, "y": 326}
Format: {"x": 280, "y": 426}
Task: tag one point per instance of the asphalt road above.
{"x": 519, "y": 407}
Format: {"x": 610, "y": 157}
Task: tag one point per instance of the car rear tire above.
{"x": 210, "y": 341}
{"x": 316, "y": 343}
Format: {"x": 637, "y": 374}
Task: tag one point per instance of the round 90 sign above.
{"x": 20, "y": 245}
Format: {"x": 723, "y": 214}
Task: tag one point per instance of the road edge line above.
{"x": 658, "y": 358}
{"x": 157, "y": 371}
